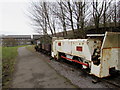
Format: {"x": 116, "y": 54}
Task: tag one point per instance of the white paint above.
{"x": 109, "y": 56}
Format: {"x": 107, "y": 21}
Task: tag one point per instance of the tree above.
{"x": 115, "y": 14}
{"x": 60, "y": 13}
{"x": 38, "y": 18}
{"x": 97, "y": 12}
{"x": 80, "y": 11}
{"x": 62, "y": 18}
{"x": 47, "y": 17}
{"x": 42, "y": 17}
{"x": 71, "y": 16}
{"x": 9, "y": 42}
{"x": 119, "y": 12}
{"x": 106, "y": 15}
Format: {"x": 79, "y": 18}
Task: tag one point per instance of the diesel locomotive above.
{"x": 98, "y": 53}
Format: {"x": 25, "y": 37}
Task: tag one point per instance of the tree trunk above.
{"x": 71, "y": 19}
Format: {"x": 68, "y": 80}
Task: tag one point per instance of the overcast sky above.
{"x": 13, "y": 18}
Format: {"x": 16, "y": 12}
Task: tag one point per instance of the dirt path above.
{"x": 33, "y": 72}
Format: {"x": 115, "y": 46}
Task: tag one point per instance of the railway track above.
{"x": 113, "y": 80}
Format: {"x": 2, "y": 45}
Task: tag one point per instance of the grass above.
{"x": 0, "y": 65}
{"x": 31, "y": 47}
{"x": 9, "y": 55}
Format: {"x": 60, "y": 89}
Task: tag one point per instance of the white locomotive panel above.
{"x": 101, "y": 55}
{"x": 69, "y": 46}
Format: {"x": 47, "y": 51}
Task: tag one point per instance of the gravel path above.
{"x": 76, "y": 76}
{"x": 32, "y": 71}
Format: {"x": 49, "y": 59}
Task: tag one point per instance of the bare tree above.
{"x": 42, "y": 17}
{"x": 46, "y": 11}
{"x": 68, "y": 7}
{"x": 62, "y": 18}
{"x": 119, "y": 12}
{"x": 115, "y": 14}
{"x": 71, "y": 16}
{"x": 10, "y": 42}
{"x": 80, "y": 11}
{"x": 48, "y": 16}
{"x": 38, "y": 17}
{"x": 60, "y": 12}
{"x": 105, "y": 13}
{"x": 97, "y": 12}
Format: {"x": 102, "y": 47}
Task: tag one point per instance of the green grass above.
{"x": 0, "y": 64}
{"x": 31, "y": 47}
{"x": 9, "y": 55}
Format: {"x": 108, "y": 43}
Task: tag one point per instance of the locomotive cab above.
{"x": 109, "y": 55}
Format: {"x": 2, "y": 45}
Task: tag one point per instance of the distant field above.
{"x": 9, "y": 55}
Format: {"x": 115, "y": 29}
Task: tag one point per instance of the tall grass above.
{"x": 8, "y": 60}
{"x": 0, "y": 66}
{"x": 9, "y": 52}
{"x": 9, "y": 55}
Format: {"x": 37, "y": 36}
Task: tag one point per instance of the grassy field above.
{"x": 9, "y": 55}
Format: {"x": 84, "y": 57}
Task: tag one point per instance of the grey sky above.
{"x": 13, "y": 19}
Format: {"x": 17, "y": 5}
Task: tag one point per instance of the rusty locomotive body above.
{"x": 99, "y": 54}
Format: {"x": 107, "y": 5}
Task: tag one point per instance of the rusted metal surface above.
{"x": 110, "y": 53}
